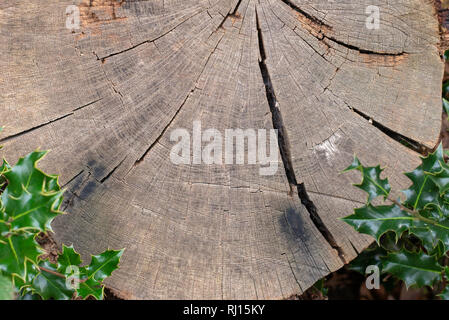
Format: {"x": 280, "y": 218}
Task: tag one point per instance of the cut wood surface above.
{"x": 105, "y": 98}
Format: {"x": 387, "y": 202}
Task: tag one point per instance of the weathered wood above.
{"x": 105, "y": 98}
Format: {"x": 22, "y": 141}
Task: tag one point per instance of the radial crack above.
{"x": 178, "y": 110}
{"x": 284, "y": 149}
{"x": 24, "y": 132}
{"x": 232, "y": 13}
{"x": 112, "y": 171}
{"x": 405, "y": 141}
{"x": 103, "y": 59}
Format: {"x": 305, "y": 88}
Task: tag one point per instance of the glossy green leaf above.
{"x": 68, "y": 261}
{"x": 14, "y": 253}
{"x": 371, "y": 181}
{"x": 32, "y": 198}
{"x": 422, "y": 192}
{"x": 91, "y": 288}
{"x": 100, "y": 268}
{"x": 104, "y": 264}
{"x": 51, "y": 286}
{"x": 432, "y": 234}
{"x": 29, "y": 201}
{"x": 6, "y": 288}
{"x": 376, "y": 221}
{"x": 415, "y": 269}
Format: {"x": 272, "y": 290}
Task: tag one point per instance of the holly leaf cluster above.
{"x": 412, "y": 234}
{"x": 30, "y": 200}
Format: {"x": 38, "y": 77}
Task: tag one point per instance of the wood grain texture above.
{"x": 105, "y": 98}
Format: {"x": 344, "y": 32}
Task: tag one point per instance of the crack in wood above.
{"x": 320, "y": 30}
{"x": 103, "y": 59}
{"x": 138, "y": 161}
{"x": 27, "y": 131}
{"x": 405, "y": 141}
{"x": 232, "y": 14}
{"x": 284, "y": 149}
{"x": 237, "y": 6}
{"x": 364, "y": 51}
{"x": 105, "y": 178}
{"x": 314, "y": 20}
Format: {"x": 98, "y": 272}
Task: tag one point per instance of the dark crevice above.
{"x": 73, "y": 179}
{"x": 308, "y": 16}
{"x": 103, "y": 59}
{"x": 320, "y": 28}
{"x": 364, "y": 51}
{"x": 318, "y": 222}
{"x": 278, "y": 123}
{"x": 355, "y": 249}
{"x": 138, "y": 161}
{"x": 86, "y": 105}
{"x": 112, "y": 171}
{"x": 233, "y": 13}
{"x": 284, "y": 149}
{"x": 405, "y": 141}
{"x": 34, "y": 128}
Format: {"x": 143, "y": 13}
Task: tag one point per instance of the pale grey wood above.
{"x": 105, "y": 98}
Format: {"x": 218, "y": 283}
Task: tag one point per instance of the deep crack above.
{"x": 405, "y": 141}
{"x": 284, "y": 149}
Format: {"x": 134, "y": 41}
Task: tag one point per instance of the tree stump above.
{"x": 105, "y": 97}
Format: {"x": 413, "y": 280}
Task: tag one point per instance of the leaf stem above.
{"x": 60, "y": 275}
{"x": 412, "y": 212}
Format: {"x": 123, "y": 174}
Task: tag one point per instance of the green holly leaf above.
{"x": 91, "y": 288}
{"x": 441, "y": 179}
{"x": 32, "y": 198}
{"x": 4, "y": 167}
{"x": 23, "y": 285}
{"x": 100, "y": 268}
{"x": 431, "y": 234}
{"x": 371, "y": 181}
{"x": 376, "y": 221}
{"x": 415, "y": 269}
{"x": 432, "y": 163}
{"x": 422, "y": 192}
{"x": 6, "y": 288}
{"x": 104, "y": 264}
{"x": 436, "y": 212}
{"x": 15, "y": 251}
{"x": 68, "y": 261}
{"x": 51, "y": 286}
